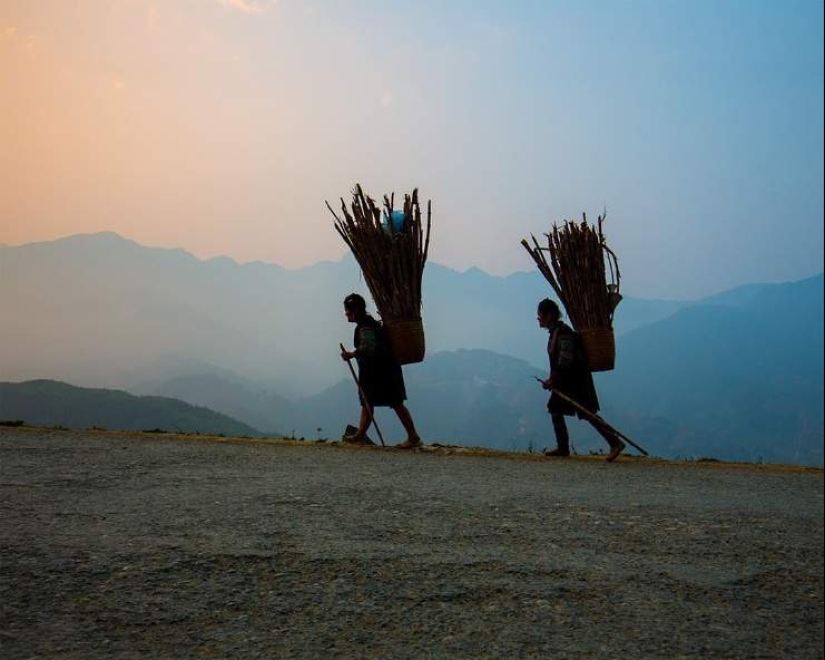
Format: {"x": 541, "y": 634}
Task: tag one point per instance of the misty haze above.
{"x": 259, "y": 343}
{"x": 410, "y": 330}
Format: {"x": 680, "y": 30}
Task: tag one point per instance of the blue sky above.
{"x": 222, "y": 125}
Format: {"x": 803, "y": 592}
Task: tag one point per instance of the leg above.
{"x": 364, "y": 424}
{"x": 562, "y": 437}
{"x": 413, "y": 439}
{"x": 360, "y": 436}
{"x": 616, "y": 445}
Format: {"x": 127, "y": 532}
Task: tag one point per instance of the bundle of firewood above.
{"x": 576, "y": 263}
{"x": 392, "y": 257}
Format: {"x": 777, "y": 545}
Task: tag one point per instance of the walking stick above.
{"x": 598, "y": 420}
{"x": 364, "y": 398}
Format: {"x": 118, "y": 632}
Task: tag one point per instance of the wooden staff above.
{"x": 595, "y": 419}
{"x": 598, "y": 420}
{"x": 364, "y": 400}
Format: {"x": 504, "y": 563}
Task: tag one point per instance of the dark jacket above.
{"x": 378, "y": 371}
{"x": 570, "y": 372}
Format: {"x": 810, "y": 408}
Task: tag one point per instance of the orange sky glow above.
{"x": 222, "y": 126}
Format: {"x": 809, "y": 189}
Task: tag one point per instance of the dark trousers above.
{"x": 563, "y": 436}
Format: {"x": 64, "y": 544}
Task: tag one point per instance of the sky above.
{"x": 222, "y": 126}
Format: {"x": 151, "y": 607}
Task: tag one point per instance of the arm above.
{"x": 566, "y": 357}
{"x": 561, "y": 347}
{"x": 367, "y": 343}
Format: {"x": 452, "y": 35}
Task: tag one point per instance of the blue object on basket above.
{"x": 398, "y": 219}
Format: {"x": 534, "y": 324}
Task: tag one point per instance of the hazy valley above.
{"x": 738, "y": 375}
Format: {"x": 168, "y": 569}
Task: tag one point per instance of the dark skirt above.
{"x": 382, "y": 382}
{"x": 581, "y": 389}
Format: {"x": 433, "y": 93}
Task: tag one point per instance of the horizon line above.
{"x": 348, "y": 255}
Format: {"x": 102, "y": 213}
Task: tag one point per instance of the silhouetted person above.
{"x": 382, "y": 381}
{"x": 569, "y": 374}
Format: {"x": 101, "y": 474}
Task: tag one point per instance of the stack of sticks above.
{"x": 392, "y": 259}
{"x": 574, "y": 264}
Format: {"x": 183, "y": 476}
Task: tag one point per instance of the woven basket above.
{"x": 407, "y": 339}
{"x": 600, "y": 348}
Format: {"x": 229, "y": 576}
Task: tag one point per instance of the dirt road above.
{"x": 119, "y": 546}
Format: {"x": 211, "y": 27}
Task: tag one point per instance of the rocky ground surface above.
{"x": 129, "y": 546}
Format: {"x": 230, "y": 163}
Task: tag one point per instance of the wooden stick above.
{"x": 392, "y": 261}
{"x": 598, "y": 420}
{"x": 575, "y": 263}
{"x": 364, "y": 400}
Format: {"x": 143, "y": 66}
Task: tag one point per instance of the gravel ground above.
{"x": 127, "y": 546}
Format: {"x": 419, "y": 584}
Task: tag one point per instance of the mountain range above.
{"x": 105, "y": 311}
{"x": 738, "y": 375}
{"x": 52, "y": 403}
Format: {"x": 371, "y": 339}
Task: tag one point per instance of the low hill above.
{"x": 231, "y": 395}
{"x": 48, "y": 402}
{"x": 469, "y": 397}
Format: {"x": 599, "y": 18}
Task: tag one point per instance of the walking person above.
{"x": 380, "y": 375}
{"x": 570, "y": 375}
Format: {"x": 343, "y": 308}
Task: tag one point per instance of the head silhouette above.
{"x": 355, "y": 307}
{"x": 549, "y": 313}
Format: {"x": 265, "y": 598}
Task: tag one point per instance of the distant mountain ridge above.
{"x": 744, "y": 377}
{"x": 700, "y": 383}
{"x": 50, "y": 403}
{"x": 738, "y": 375}
{"x": 143, "y": 308}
